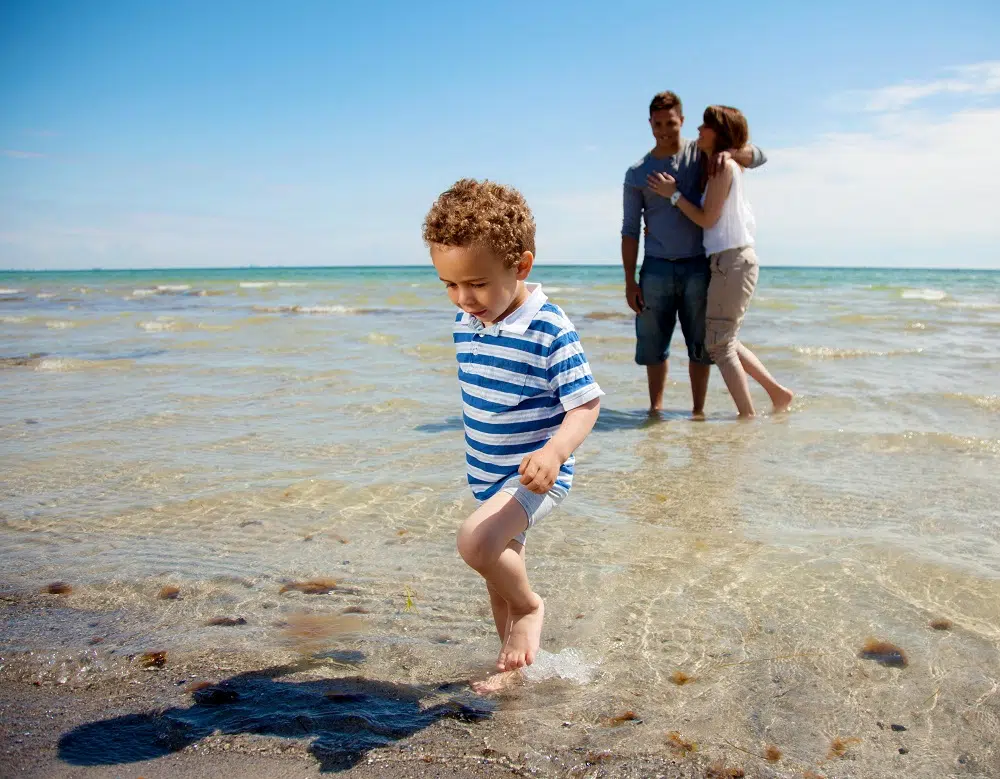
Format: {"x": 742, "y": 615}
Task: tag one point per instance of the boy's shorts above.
{"x": 535, "y": 506}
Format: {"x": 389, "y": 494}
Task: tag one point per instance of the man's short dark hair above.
{"x": 664, "y": 101}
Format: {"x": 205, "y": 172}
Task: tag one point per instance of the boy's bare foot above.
{"x": 523, "y": 638}
{"x": 496, "y": 682}
{"x": 782, "y": 399}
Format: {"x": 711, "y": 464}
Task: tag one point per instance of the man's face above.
{"x": 666, "y": 125}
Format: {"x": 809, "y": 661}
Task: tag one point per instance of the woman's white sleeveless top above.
{"x": 736, "y": 225}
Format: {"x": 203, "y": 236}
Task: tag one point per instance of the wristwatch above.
{"x": 675, "y": 197}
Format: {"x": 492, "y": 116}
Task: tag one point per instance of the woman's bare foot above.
{"x": 496, "y": 682}
{"x": 523, "y": 638}
{"x": 782, "y": 399}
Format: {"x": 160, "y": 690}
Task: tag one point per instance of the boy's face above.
{"x": 478, "y": 283}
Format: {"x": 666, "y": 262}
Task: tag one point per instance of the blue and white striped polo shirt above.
{"x": 519, "y": 377}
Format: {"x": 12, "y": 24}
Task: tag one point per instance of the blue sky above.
{"x": 144, "y": 134}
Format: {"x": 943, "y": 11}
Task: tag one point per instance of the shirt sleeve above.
{"x": 759, "y": 158}
{"x": 631, "y": 210}
{"x": 568, "y": 371}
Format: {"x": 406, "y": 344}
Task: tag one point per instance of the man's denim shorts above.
{"x": 672, "y": 290}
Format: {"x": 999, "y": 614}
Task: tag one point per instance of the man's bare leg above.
{"x": 698, "y": 374}
{"x": 656, "y": 377}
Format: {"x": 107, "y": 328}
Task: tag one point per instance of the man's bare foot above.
{"x": 523, "y": 638}
{"x": 698, "y": 413}
{"x": 782, "y": 399}
{"x": 496, "y": 682}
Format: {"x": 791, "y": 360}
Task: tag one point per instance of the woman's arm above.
{"x": 715, "y": 196}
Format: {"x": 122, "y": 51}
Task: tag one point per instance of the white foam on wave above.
{"x": 256, "y": 284}
{"x": 13, "y": 320}
{"x": 142, "y": 293}
{"x": 569, "y": 665}
{"x": 6, "y": 291}
{"x": 59, "y": 324}
{"x": 833, "y": 353}
{"x": 173, "y": 287}
{"x": 45, "y": 295}
{"x": 158, "y": 326}
{"x": 291, "y": 284}
{"x": 305, "y": 309}
{"x": 932, "y": 295}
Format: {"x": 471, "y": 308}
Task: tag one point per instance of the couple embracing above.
{"x": 699, "y": 264}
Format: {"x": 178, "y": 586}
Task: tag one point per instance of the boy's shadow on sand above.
{"x": 344, "y": 717}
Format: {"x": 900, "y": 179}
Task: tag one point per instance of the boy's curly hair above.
{"x": 482, "y": 214}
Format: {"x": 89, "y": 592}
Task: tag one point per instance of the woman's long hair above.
{"x": 731, "y": 132}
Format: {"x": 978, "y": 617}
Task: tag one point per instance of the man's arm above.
{"x": 631, "y": 224}
{"x": 749, "y": 156}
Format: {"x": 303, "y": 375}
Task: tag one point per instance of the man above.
{"x": 674, "y": 280}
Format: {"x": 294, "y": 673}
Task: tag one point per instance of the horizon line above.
{"x": 550, "y": 263}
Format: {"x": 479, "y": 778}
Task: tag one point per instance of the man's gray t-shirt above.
{"x": 671, "y": 235}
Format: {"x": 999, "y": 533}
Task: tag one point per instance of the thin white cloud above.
{"x": 968, "y": 80}
{"x": 18, "y": 154}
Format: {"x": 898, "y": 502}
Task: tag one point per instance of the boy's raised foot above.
{"x": 523, "y": 638}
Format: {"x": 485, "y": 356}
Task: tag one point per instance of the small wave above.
{"x": 6, "y": 291}
{"x": 988, "y": 402}
{"x": 256, "y": 284}
{"x": 932, "y": 295}
{"x": 311, "y": 310}
{"x": 291, "y": 284}
{"x": 158, "y": 326}
{"x": 143, "y": 293}
{"x": 832, "y": 353}
{"x": 168, "y": 288}
{"x": 65, "y": 364}
{"x": 13, "y": 320}
{"x": 59, "y": 324}
{"x": 605, "y": 315}
{"x": 45, "y": 295}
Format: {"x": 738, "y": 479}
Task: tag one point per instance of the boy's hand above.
{"x": 540, "y": 469}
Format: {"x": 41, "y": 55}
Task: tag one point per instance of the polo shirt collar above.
{"x": 518, "y": 320}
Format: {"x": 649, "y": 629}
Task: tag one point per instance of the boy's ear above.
{"x": 524, "y": 264}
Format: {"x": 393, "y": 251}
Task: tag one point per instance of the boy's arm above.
{"x": 540, "y": 469}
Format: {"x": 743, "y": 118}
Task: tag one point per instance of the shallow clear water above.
{"x": 229, "y": 431}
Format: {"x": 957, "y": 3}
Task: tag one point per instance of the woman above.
{"x": 728, "y": 224}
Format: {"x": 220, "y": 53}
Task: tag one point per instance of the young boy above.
{"x": 529, "y": 398}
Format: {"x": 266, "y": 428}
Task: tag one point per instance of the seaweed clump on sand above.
{"x": 941, "y": 624}
{"x": 839, "y": 747}
{"x": 226, "y": 622}
{"x": 719, "y": 770}
{"x": 156, "y": 659}
{"x": 885, "y": 653}
{"x": 310, "y": 586}
{"x": 58, "y": 588}
{"x": 680, "y": 678}
{"x": 169, "y": 592}
{"x": 621, "y": 719}
{"x": 679, "y": 745}
{"x": 772, "y": 754}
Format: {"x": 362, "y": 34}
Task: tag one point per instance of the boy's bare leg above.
{"x": 781, "y": 397}
{"x": 698, "y": 374}
{"x": 656, "y": 377}
{"x": 499, "y": 608}
{"x": 485, "y": 543}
